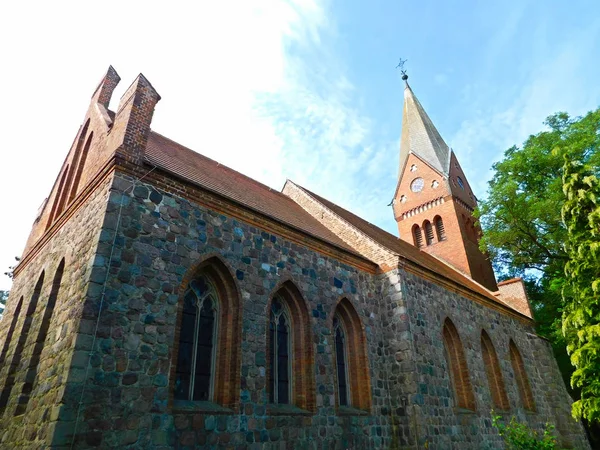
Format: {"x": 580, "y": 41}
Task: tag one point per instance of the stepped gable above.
{"x": 405, "y": 250}
{"x": 215, "y": 177}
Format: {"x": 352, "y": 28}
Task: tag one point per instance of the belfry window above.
{"x": 417, "y": 236}
{"x": 279, "y": 353}
{"x": 195, "y": 362}
{"x": 341, "y": 358}
{"x": 439, "y": 228}
{"x": 428, "y": 232}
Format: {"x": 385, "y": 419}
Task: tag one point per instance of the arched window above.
{"x": 208, "y": 337}
{"x": 195, "y": 363}
{"x": 279, "y": 353}
{"x": 521, "y": 377}
{"x": 34, "y": 361}
{"x": 18, "y": 351}
{"x": 428, "y": 232}
{"x": 290, "y": 360}
{"x": 494, "y": 373}
{"x": 80, "y": 161}
{"x": 459, "y": 372}
{"x": 341, "y": 359}
{"x": 58, "y": 197}
{"x": 439, "y": 228}
{"x": 417, "y": 236}
{"x": 11, "y": 330}
{"x": 352, "y": 371}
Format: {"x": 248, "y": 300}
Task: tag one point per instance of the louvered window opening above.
{"x": 418, "y": 237}
{"x": 428, "y": 233}
{"x": 440, "y": 230}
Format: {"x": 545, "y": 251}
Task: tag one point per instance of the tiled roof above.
{"x": 404, "y": 249}
{"x": 209, "y": 174}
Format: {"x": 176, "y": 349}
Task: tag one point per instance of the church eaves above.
{"x": 420, "y": 137}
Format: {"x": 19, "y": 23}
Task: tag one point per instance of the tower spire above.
{"x": 433, "y": 203}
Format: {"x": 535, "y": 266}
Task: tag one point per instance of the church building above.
{"x": 165, "y": 301}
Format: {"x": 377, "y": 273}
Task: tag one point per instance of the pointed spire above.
{"x": 419, "y": 135}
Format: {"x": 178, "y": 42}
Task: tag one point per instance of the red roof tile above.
{"x": 209, "y": 174}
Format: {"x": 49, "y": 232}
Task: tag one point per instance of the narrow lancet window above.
{"x": 195, "y": 362}
{"x": 279, "y": 353}
{"x": 341, "y": 356}
{"x": 439, "y": 228}
{"x": 417, "y": 236}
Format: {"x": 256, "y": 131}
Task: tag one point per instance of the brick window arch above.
{"x": 459, "y": 371}
{"x": 34, "y": 361}
{"x": 439, "y": 228}
{"x": 521, "y": 377}
{"x": 58, "y": 199}
{"x": 79, "y": 160}
{"x": 208, "y": 338}
{"x": 18, "y": 351}
{"x": 351, "y": 358}
{"x": 428, "y": 232}
{"x": 11, "y": 330}
{"x": 417, "y": 236}
{"x": 493, "y": 372}
{"x": 292, "y": 344}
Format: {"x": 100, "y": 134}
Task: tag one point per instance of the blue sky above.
{"x": 302, "y": 89}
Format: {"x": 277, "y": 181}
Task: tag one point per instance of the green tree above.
{"x": 521, "y": 216}
{"x": 581, "y": 286}
{"x": 3, "y": 299}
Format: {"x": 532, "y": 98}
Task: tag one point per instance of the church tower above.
{"x": 434, "y": 203}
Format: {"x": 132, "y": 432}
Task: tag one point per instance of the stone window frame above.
{"x": 521, "y": 378}
{"x": 226, "y": 392}
{"x": 493, "y": 372}
{"x": 357, "y": 368}
{"x": 458, "y": 367}
{"x": 303, "y": 392}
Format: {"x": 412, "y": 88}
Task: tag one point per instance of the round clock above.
{"x": 417, "y": 185}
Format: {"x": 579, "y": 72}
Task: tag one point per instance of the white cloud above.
{"x": 253, "y": 85}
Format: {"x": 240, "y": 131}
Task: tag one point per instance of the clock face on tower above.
{"x": 417, "y": 185}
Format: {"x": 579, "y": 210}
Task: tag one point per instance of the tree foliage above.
{"x": 581, "y": 287}
{"x": 518, "y": 436}
{"x": 521, "y": 217}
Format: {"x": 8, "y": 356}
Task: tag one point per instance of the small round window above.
{"x": 417, "y": 185}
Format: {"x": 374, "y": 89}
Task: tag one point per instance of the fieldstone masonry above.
{"x": 132, "y": 237}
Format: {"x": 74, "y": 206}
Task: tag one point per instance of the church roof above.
{"x": 420, "y": 137}
{"x": 213, "y": 176}
{"x": 403, "y": 248}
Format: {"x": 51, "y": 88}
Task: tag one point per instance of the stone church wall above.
{"x": 160, "y": 237}
{"x": 38, "y": 419}
{"x": 443, "y": 425}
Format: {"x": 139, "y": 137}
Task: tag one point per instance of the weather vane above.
{"x": 402, "y": 69}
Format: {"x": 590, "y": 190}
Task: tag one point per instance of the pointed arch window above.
{"x": 195, "y": 364}
{"x": 439, "y": 228}
{"x": 207, "y": 350}
{"x": 459, "y": 371}
{"x": 428, "y": 232}
{"x": 341, "y": 358}
{"x": 417, "y": 236}
{"x": 494, "y": 373}
{"x": 23, "y": 335}
{"x": 280, "y": 351}
{"x": 521, "y": 377}
{"x": 353, "y": 384}
{"x": 11, "y": 330}
{"x": 290, "y": 360}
